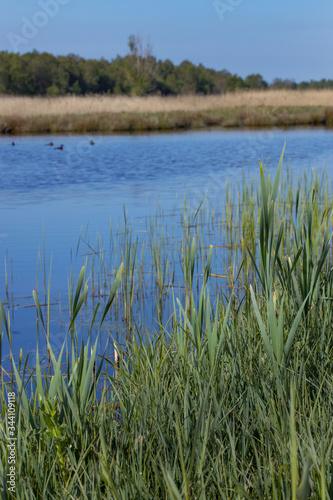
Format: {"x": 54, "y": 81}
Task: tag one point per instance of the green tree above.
{"x": 75, "y": 88}
{"x": 235, "y": 82}
{"x": 255, "y": 81}
{"x": 278, "y": 83}
{"x": 142, "y": 69}
{"x": 220, "y": 81}
{"x": 53, "y": 90}
{"x": 5, "y": 72}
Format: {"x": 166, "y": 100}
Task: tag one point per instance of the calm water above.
{"x": 56, "y": 193}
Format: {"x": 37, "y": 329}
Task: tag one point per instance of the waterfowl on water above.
{"x": 49, "y": 144}
{"x": 13, "y": 143}
{"x": 60, "y": 147}
{"x": 92, "y": 143}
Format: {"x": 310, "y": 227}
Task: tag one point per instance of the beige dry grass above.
{"x": 23, "y": 107}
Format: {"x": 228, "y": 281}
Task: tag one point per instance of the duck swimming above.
{"x": 60, "y": 147}
{"x": 92, "y": 143}
{"x": 49, "y": 144}
{"x": 13, "y": 143}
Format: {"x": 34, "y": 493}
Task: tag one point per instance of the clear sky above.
{"x": 277, "y": 38}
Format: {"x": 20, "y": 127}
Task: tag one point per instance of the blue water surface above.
{"x": 48, "y": 197}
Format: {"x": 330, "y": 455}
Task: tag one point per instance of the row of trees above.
{"x": 137, "y": 73}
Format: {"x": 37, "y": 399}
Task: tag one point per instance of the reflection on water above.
{"x": 47, "y": 196}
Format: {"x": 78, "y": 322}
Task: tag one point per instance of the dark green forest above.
{"x": 137, "y": 73}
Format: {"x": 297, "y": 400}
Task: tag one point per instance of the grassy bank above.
{"x": 229, "y": 397}
{"x": 103, "y": 114}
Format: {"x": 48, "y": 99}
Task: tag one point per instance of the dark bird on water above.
{"x": 13, "y": 143}
{"x": 49, "y": 144}
{"x": 60, "y": 147}
{"x": 92, "y": 143}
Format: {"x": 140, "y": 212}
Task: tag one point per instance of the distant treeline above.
{"x": 138, "y": 73}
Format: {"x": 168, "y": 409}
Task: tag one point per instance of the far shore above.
{"x": 110, "y": 114}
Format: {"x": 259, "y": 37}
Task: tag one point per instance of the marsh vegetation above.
{"x": 228, "y": 395}
{"x": 103, "y": 114}
{"x": 25, "y": 106}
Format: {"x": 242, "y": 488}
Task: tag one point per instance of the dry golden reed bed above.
{"x": 108, "y": 114}
{"x": 16, "y": 106}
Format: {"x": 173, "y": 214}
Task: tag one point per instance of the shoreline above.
{"x": 109, "y": 122}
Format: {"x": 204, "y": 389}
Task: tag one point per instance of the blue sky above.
{"x": 286, "y": 38}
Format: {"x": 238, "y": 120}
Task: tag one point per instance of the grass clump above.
{"x": 231, "y": 398}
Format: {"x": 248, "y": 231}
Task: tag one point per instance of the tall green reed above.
{"x": 230, "y": 397}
